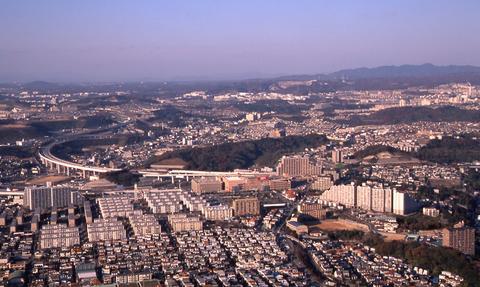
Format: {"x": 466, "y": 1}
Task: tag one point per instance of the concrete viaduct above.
{"x": 66, "y": 167}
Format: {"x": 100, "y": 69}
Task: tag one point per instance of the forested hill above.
{"x": 401, "y": 115}
{"x": 230, "y": 156}
{"x": 451, "y": 150}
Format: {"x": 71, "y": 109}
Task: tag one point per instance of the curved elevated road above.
{"x": 68, "y": 167}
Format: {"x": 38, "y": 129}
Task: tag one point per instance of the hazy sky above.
{"x": 100, "y": 40}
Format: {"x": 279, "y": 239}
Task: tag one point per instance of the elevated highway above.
{"x": 67, "y": 167}
{"x": 187, "y": 174}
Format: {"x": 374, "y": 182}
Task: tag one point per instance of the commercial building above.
{"x": 246, "y": 206}
{"x": 58, "y": 236}
{"x": 204, "y": 185}
{"x": 292, "y": 166}
{"x": 254, "y": 183}
{"x": 297, "y": 227}
{"x": 234, "y": 183}
{"x": 50, "y": 197}
{"x": 106, "y": 229}
{"x": 313, "y": 209}
{"x": 461, "y": 239}
{"x": 279, "y": 184}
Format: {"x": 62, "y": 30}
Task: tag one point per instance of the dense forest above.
{"x": 16, "y": 151}
{"x": 451, "y": 150}
{"x": 230, "y": 156}
{"x": 67, "y": 149}
{"x": 83, "y": 122}
{"x": 401, "y": 115}
{"x": 122, "y": 177}
{"x": 11, "y": 131}
{"x": 172, "y": 115}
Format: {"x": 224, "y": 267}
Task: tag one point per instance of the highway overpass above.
{"x": 68, "y": 167}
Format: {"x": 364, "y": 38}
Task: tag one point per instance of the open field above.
{"x": 393, "y": 236}
{"x": 49, "y": 178}
{"x": 340, "y": 224}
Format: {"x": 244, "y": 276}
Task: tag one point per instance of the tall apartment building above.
{"x": 403, "y": 203}
{"x": 364, "y": 197}
{"x": 291, "y": 166}
{"x": 35, "y": 222}
{"x": 106, "y": 229}
{"x": 204, "y": 185}
{"x": 382, "y": 199}
{"x": 461, "y": 239}
{"x": 342, "y": 194}
{"x": 58, "y": 236}
{"x": 50, "y": 197}
{"x": 88, "y": 212}
{"x": 376, "y": 199}
{"x": 246, "y": 206}
{"x": 337, "y": 156}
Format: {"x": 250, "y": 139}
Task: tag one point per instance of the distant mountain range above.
{"x": 403, "y": 71}
{"x": 383, "y": 77}
{"x": 425, "y": 70}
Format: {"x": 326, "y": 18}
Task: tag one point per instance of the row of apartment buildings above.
{"x": 378, "y": 199}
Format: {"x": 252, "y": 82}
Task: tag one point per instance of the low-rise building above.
{"x": 58, "y": 236}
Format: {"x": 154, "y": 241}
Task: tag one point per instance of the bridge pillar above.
{"x": 84, "y": 173}
{"x": 59, "y": 168}
{"x": 173, "y": 179}
{"x": 68, "y": 171}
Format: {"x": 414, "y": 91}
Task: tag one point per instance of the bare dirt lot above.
{"x": 49, "y": 178}
{"x": 393, "y": 236}
{"x": 340, "y": 224}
